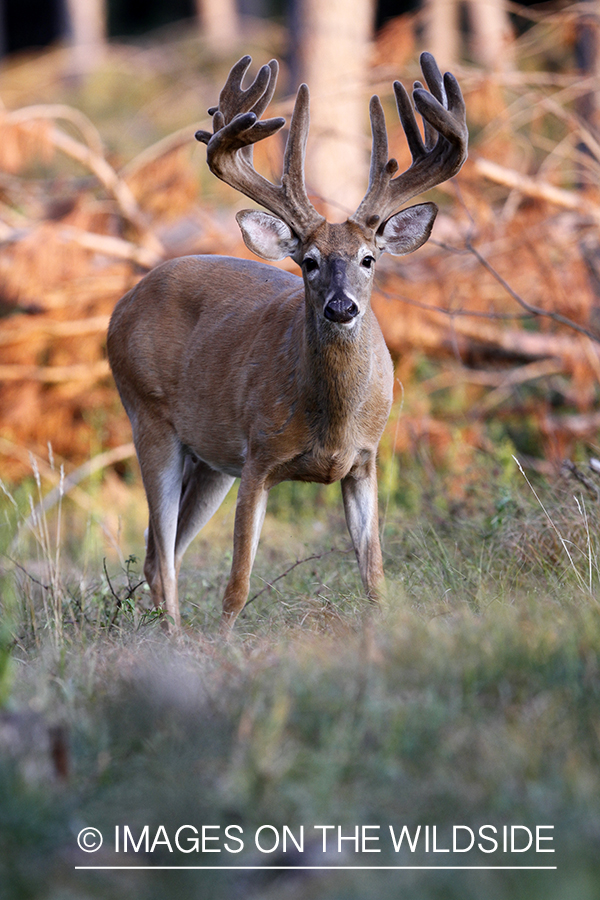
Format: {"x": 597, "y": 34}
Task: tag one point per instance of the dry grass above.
{"x": 472, "y": 698}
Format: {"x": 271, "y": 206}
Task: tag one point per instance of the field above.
{"x": 471, "y": 699}
{"x": 445, "y": 745}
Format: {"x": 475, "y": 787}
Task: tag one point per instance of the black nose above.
{"x": 340, "y": 309}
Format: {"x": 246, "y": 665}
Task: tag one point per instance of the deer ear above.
{"x": 266, "y": 235}
{"x": 407, "y": 230}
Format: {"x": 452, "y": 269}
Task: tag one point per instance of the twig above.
{"x": 131, "y": 589}
{"x": 109, "y": 245}
{"x": 85, "y": 126}
{"x": 540, "y": 190}
{"x": 110, "y": 587}
{"x": 529, "y": 307}
{"x": 90, "y": 155}
{"x": 540, "y": 369}
{"x": 24, "y": 328}
{"x": 45, "y": 587}
{"x": 498, "y": 380}
{"x": 107, "y": 176}
{"x": 298, "y": 562}
{"x": 118, "y": 601}
{"x": 55, "y": 374}
{"x": 569, "y": 466}
{"x": 452, "y": 313}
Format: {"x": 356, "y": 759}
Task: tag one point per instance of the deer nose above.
{"x": 341, "y": 309}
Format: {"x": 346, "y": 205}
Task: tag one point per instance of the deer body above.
{"x": 230, "y": 368}
{"x": 300, "y": 407}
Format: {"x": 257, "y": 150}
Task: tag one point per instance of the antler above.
{"x": 237, "y": 127}
{"x": 436, "y": 157}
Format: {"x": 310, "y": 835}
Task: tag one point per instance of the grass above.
{"x": 472, "y": 698}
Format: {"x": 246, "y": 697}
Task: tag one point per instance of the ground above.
{"x": 470, "y": 699}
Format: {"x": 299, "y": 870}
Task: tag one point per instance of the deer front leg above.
{"x": 161, "y": 462}
{"x": 359, "y": 491}
{"x": 249, "y": 518}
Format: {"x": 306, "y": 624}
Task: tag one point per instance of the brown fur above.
{"x": 225, "y": 356}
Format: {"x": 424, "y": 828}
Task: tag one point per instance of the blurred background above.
{"x": 492, "y": 324}
{"x": 474, "y": 698}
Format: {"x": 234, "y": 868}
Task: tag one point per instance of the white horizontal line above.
{"x": 328, "y": 868}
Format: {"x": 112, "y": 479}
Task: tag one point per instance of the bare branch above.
{"x": 85, "y": 126}
{"x": 24, "y": 328}
{"x": 55, "y": 374}
{"x": 530, "y": 308}
{"x": 298, "y": 562}
{"x": 540, "y": 190}
{"x": 109, "y": 245}
{"x": 570, "y": 467}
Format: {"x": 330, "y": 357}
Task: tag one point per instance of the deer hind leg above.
{"x": 249, "y": 518}
{"x": 360, "y": 505}
{"x": 203, "y": 491}
{"x": 161, "y": 461}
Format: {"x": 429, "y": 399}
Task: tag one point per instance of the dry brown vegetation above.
{"x": 483, "y": 315}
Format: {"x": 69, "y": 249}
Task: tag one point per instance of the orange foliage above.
{"x": 440, "y": 304}
{"x": 23, "y": 142}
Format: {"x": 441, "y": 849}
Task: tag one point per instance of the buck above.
{"x": 232, "y": 368}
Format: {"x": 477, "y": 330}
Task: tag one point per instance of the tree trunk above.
{"x": 219, "y": 24}
{"x": 334, "y": 39}
{"x": 491, "y": 34}
{"x": 442, "y": 36}
{"x": 489, "y": 27}
{"x": 87, "y": 31}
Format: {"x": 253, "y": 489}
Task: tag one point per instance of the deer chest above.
{"x": 320, "y": 465}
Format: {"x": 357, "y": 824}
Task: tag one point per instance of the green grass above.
{"x": 472, "y": 698}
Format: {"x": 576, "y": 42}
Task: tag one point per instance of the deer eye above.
{"x": 310, "y": 264}
{"x": 367, "y": 262}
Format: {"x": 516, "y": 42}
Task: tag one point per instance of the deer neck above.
{"x": 337, "y": 371}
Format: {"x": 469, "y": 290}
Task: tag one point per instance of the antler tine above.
{"x": 234, "y": 99}
{"x": 237, "y": 127}
{"x": 295, "y": 148}
{"x": 429, "y": 133}
{"x": 406, "y": 113}
{"x": 433, "y": 77}
{"x": 267, "y": 95}
{"x": 435, "y": 157}
{"x": 293, "y": 162}
{"x": 382, "y": 170}
{"x": 379, "y": 154}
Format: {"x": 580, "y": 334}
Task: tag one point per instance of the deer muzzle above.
{"x": 340, "y": 309}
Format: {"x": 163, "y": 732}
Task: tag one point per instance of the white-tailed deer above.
{"x": 230, "y": 368}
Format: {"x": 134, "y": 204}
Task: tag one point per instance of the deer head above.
{"x": 337, "y": 261}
